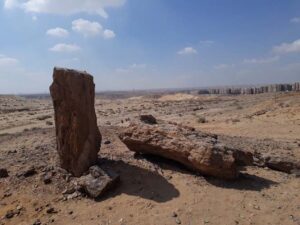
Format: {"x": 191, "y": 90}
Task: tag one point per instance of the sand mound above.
{"x": 177, "y": 97}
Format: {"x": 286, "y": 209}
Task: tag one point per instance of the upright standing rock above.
{"x": 77, "y": 133}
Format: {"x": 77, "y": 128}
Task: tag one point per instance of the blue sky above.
{"x": 145, "y": 44}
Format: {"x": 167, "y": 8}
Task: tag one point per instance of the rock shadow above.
{"x": 140, "y": 182}
{"x": 244, "y": 182}
{"x": 247, "y": 182}
{"x": 165, "y": 163}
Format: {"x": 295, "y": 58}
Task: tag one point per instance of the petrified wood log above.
{"x": 196, "y": 150}
{"x": 77, "y": 133}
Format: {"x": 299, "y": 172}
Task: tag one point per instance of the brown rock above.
{"x": 78, "y": 136}
{"x": 196, "y": 150}
{"x": 3, "y": 173}
{"x": 149, "y": 119}
{"x": 281, "y": 163}
{"x": 98, "y": 181}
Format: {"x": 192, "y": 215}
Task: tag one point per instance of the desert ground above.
{"x": 152, "y": 190}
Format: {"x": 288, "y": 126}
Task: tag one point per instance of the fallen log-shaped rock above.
{"x": 196, "y": 150}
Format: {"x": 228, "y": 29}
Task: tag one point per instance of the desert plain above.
{"x": 153, "y": 190}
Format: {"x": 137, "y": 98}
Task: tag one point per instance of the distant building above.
{"x": 273, "y": 88}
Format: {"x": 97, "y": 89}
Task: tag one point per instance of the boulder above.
{"x": 196, "y": 150}
{"x": 77, "y": 133}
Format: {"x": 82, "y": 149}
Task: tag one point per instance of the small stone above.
{"x": 178, "y": 221}
{"x": 51, "y": 210}
{"x": 19, "y": 207}
{"x": 9, "y": 214}
{"x": 70, "y": 212}
{"x": 149, "y": 119}
{"x": 47, "y": 178}
{"x": 174, "y": 214}
{"x": 256, "y": 207}
{"x": 37, "y": 222}
{"x": 69, "y": 191}
{"x": 28, "y": 172}
{"x": 107, "y": 142}
{"x": 7, "y": 194}
{"x": 3, "y": 173}
{"x": 73, "y": 196}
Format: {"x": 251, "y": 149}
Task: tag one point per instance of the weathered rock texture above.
{"x": 98, "y": 181}
{"x": 196, "y": 150}
{"x": 78, "y": 136}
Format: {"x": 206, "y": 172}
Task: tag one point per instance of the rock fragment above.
{"x": 3, "y": 173}
{"x": 149, "y": 119}
{"x": 78, "y": 136}
{"x": 27, "y": 172}
{"x": 281, "y": 163}
{"x": 98, "y": 181}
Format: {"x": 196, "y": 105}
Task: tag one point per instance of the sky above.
{"x": 149, "y": 44}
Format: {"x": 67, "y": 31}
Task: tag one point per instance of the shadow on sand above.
{"x": 140, "y": 182}
{"x": 247, "y": 182}
{"x": 244, "y": 182}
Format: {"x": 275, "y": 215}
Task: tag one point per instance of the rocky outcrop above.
{"x": 77, "y": 133}
{"x": 196, "y": 150}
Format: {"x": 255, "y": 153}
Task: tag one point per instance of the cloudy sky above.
{"x": 145, "y": 44}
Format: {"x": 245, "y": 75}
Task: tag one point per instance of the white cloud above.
{"x": 122, "y": 70}
{"x": 6, "y": 61}
{"x": 295, "y": 20}
{"x": 108, "y": 34}
{"x": 131, "y": 68}
{"x": 57, "y": 32}
{"x": 65, "y": 6}
{"x": 137, "y": 66}
{"x": 90, "y": 29}
{"x": 9, "y": 4}
{"x": 62, "y": 47}
{"x": 223, "y": 66}
{"x": 261, "y": 60}
{"x": 187, "y": 51}
{"x": 87, "y": 28}
{"x": 206, "y": 42}
{"x": 288, "y": 47}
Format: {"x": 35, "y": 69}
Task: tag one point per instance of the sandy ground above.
{"x": 154, "y": 191}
